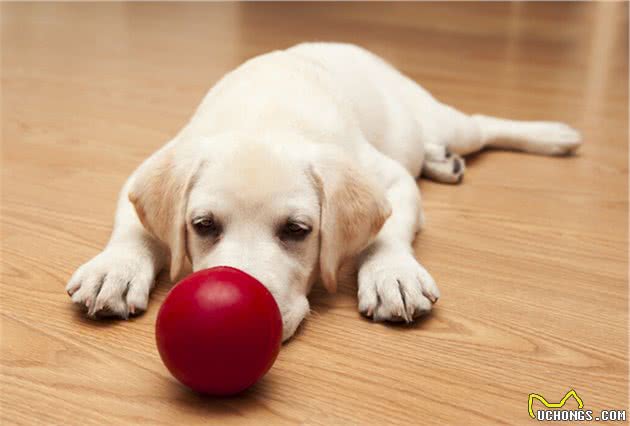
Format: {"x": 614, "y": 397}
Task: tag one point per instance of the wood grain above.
{"x": 530, "y": 252}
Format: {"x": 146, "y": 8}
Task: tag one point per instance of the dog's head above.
{"x": 285, "y": 213}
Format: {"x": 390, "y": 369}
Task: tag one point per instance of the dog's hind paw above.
{"x": 448, "y": 169}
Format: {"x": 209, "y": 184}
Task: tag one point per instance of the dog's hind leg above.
{"x": 464, "y": 134}
{"x": 537, "y": 137}
{"x": 454, "y": 134}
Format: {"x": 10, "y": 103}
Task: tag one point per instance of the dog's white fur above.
{"x": 322, "y": 136}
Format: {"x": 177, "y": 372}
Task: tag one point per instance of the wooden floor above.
{"x": 531, "y": 253}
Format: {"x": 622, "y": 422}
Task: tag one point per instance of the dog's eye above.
{"x": 206, "y": 227}
{"x": 294, "y": 231}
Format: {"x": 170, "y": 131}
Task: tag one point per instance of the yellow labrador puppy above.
{"x": 295, "y": 162}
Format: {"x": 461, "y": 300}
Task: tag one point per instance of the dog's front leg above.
{"x": 118, "y": 280}
{"x": 393, "y": 286}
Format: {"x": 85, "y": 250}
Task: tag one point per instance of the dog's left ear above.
{"x": 159, "y": 193}
{"x": 353, "y": 210}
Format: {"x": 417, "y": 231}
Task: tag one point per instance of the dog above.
{"x": 295, "y": 163}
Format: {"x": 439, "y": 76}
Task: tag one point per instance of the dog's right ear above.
{"x": 159, "y": 193}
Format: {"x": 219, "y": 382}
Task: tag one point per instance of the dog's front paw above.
{"x": 116, "y": 282}
{"x": 393, "y": 286}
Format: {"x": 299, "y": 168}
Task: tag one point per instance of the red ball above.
{"x": 219, "y": 331}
